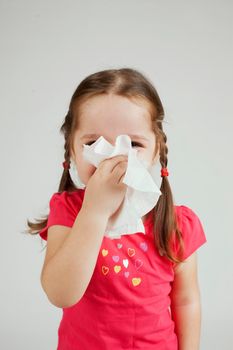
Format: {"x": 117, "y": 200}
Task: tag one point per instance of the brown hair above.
{"x": 132, "y": 84}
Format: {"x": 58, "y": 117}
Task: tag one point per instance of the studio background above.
{"x": 47, "y": 48}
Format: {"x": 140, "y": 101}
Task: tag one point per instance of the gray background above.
{"x": 47, "y": 48}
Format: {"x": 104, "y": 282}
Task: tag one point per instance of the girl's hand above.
{"x": 105, "y": 190}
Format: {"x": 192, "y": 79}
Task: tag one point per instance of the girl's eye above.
{"x": 135, "y": 143}
{"x": 90, "y": 143}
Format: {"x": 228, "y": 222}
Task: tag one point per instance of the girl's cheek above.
{"x": 91, "y": 169}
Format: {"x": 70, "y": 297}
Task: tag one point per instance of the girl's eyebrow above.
{"x": 139, "y": 137}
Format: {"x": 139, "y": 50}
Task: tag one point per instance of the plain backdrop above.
{"x": 47, "y": 47}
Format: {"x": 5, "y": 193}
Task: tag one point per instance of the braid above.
{"x": 163, "y": 150}
{"x": 66, "y": 183}
{"x": 165, "y": 223}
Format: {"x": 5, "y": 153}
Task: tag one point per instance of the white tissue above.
{"x": 142, "y": 192}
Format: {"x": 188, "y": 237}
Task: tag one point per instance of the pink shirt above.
{"x": 126, "y": 304}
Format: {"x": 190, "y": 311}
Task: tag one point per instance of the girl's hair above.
{"x": 132, "y": 84}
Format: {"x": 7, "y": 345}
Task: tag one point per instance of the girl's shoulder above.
{"x": 69, "y": 194}
{"x": 67, "y": 198}
{"x": 191, "y": 228}
{"x": 63, "y": 209}
{"x": 187, "y": 216}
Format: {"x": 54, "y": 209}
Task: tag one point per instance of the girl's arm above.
{"x": 186, "y": 304}
{"x": 67, "y": 273}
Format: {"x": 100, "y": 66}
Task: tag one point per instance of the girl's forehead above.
{"x": 116, "y": 113}
{"x": 110, "y": 116}
{"x": 109, "y": 125}
{"x": 113, "y": 105}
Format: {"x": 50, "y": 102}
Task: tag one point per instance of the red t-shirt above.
{"x": 126, "y": 304}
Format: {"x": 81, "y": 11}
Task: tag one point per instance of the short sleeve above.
{"x": 63, "y": 209}
{"x": 192, "y": 230}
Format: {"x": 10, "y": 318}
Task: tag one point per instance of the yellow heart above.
{"x": 136, "y": 281}
{"x": 117, "y": 268}
{"x": 104, "y": 252}
{"x": 105, "y": 270}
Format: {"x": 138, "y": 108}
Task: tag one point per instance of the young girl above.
{"x": 139, "y": 291}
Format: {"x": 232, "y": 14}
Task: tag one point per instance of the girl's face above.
{"x": 109, "y": 116}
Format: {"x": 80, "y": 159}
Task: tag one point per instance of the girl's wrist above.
{"x": 91, "y": 212}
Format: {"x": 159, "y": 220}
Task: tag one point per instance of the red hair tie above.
{"x": 66, "y": 165}
{"x": 164, "y": 172}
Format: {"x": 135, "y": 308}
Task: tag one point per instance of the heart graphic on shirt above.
{"x": 125, "y": 262}
{"x": 115, "y": 258}
{"x": 138, "y": 263}
{"x": 131, "y": 252}
{"x": 105, "y": 270}
{"x": 126, "y": 274}
{"x": 119, "y": 245}
{"x": 143, "y": 246}
{"x": 136, "y": 281}
{"x": 117, "y": 268}
{"x": 104, "y": 252}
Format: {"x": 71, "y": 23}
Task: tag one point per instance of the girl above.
{"x": 139, "y": 291}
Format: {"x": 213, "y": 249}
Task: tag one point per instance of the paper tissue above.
{"x": 142, "y": 192}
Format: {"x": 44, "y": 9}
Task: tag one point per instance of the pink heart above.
{"x": 115, "y": 258}
{"x": 138, "y": 263}
{"x": 126, "y": 274}
{"x": 143, "y": 246}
